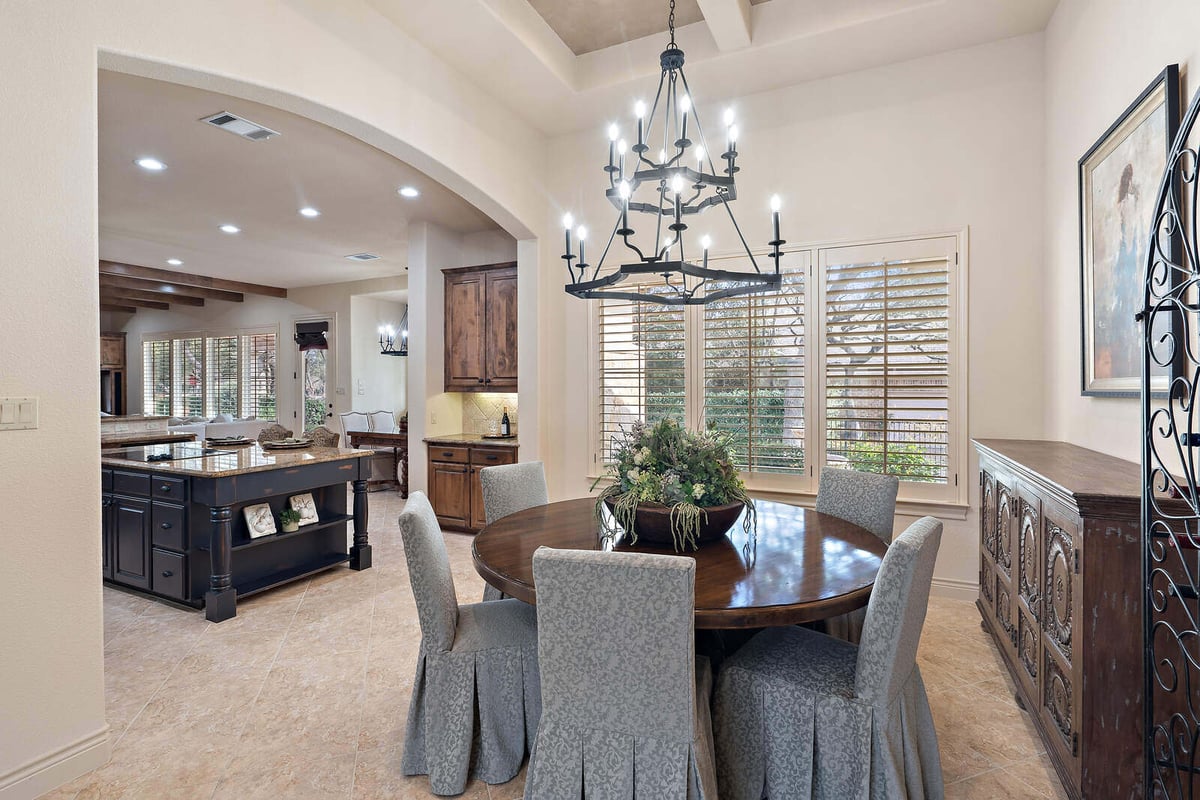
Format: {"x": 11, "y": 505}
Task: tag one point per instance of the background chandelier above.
{"x": 387, "y": 338}
{"x": 676, "y": 192}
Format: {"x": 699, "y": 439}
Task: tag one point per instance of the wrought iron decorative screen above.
{"x": 1170, "y": 472}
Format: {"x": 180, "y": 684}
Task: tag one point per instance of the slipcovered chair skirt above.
{"x": 626, "y": 698}
{"x": 507, "y": 489}
{"x": 800, "y": 715}
{"x": 476, "y": 696}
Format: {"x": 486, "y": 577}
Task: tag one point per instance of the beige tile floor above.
{"x": 304, "y": 693}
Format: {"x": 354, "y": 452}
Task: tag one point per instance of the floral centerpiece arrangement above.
{"x": 667, "y": 474}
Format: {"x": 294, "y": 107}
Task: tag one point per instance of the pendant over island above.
{"x": 174, "y": 524}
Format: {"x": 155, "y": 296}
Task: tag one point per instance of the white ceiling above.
{"x": 513, "y": 48}
{"x": 214, "y": 177}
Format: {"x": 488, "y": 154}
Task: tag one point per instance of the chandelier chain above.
{"x": 671, "y": 23}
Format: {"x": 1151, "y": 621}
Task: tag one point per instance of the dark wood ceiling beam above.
{"x": 136, "y": 294}
{"x": 188, "y": 279}
{"x": 106, "y": 299}
{"x": 118, "y": 308}
{"x": 169, "y": 289}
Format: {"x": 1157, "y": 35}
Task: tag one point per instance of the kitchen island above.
{"x": 173, "y": 522}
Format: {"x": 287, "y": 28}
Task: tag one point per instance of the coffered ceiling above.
{"x": 566, "y": 65}
{"x": 213, "y": 178}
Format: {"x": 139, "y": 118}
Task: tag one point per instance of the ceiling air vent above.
{"x": 363, "y": 257}
{"x": 241, "y": 126}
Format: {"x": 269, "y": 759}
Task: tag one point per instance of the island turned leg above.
{"x": 360, "y": 553}
{"x": 220, "y": 601}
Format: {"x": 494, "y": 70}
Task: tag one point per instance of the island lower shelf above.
{"x": 182, "y": 535}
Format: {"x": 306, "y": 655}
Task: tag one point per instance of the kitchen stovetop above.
{"x": 166, "y": 452}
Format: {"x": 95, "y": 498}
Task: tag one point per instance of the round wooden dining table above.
{"x": 800, "y": 566}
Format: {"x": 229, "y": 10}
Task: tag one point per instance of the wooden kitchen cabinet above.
{"x": 112, "y": 373}
{"x": 455, "y": 489}
{"x": 481, "y": 328}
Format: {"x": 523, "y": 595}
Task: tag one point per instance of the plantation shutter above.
{"x": 187, "y": 372}
{"x": 222, "y": 376}
{"x": 887, "y": 350}
{"x": 156, "y": 377}
{"x": 258, "y": 376}
{"x": 641, "y": 366}
{"x": 754, "y": 375}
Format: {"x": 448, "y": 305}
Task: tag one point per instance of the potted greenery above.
{"x": 673, "y": 486}
{"x": 290, "y": 518}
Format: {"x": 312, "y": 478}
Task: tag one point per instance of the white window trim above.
{"x": 801, "y": 490}
{"x": 205, "y": 334}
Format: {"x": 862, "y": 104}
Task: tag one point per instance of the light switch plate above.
{"x": 18, "y": 413}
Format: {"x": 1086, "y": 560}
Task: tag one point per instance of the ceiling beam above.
{"x": 188, "y": 279}
{"x": 728, "y": 21}
{"x": 136, "y": 294}
{"x": 106, "y": 299}
{"x": 169, "y": 289}
{"x": 119, "y": 308}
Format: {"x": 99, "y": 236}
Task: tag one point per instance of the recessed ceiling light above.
{"x": 231, "y": 228}
{"x": 151, "y": 164}
{"x": 309, "y": 211}
{"x": 174, "y": 262}
{"x": 408, "y": 191}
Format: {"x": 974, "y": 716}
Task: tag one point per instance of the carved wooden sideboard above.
{"x": 1060, "y": 592}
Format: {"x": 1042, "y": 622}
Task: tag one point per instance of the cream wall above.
{"x": 339, "y": 63}
{"x": 377, "y": 382}
{"x": 934, "y": 145}
{"x": 51, "y": 671}
{"x": 1100, "y": 54}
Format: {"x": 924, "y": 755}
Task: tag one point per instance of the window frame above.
{"x": 205, "y": 337}
{"x": 948, "y": 499}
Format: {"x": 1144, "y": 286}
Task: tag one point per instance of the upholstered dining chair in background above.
{"x": 323, "y": 437}
{"x": 869, "y": 501}
{"x": 384, "y": 421}
{"x": 801, "y": 714}
{"x": 353, "y": 421}
{"x": 475, "y": 700}
{"x": 625, "y": 698}
{"x": 507, "y": 489}
{"x": 273, "y": 433}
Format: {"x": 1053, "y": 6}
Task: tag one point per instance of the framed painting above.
{"x": 1118, "y": 186}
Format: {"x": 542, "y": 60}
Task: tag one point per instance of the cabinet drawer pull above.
{"x": 447, "y": 454}
{"x": 167, "y": 573}
{"x": 165, "y": 487}
{"x": 480, "y": 380}
{"x": 489, "y": 380}
{"x": 166, "y": 526}
{"x": 492, "y": 458}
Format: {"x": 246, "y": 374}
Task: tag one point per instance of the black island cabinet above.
{"x": 175, "y": 529}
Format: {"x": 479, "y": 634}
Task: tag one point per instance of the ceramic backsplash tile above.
{"x": 483, "y": 411}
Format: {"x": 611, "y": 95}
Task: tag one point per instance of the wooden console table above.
{"x": 1060, "y": 590}
{"x": 397, "y": 440}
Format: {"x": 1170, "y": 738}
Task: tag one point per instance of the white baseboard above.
{"x": 53, "y": 770}
{"x": 955, "y": 589}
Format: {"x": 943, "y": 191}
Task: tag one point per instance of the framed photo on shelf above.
{"x": 307, "y": 508}
{"x": 1119, "y": 180}
{"x": 259, "y": 520}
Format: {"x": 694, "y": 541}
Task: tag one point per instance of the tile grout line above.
{"x": 258, "y": 694}
{"x": 366, "y": 682}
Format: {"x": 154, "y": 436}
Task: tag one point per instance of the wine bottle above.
{"x": 505, "y": 425}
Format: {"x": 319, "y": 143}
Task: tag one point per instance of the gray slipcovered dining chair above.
{"x": 475, "y": 700}
{"x": 625, "y": 697}
{"x": 869, "y": 501}
{"x": 800, "y": 714}
{"x": 507, "y": 489}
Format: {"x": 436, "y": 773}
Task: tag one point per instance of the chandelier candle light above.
{"x": 677, "y": 192}
{"x": 387, "y": 338}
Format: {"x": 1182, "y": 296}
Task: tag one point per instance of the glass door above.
{"x": 316, "y": 374}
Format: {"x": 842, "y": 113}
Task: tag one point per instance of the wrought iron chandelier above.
{"x": 682, "y": 192}
{"x": 387, "y": 338}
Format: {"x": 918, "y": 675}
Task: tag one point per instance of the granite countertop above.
{"x": 471, "y": 438}
{"x": 235, "y": 461}
{"x": 136, "y": 438}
